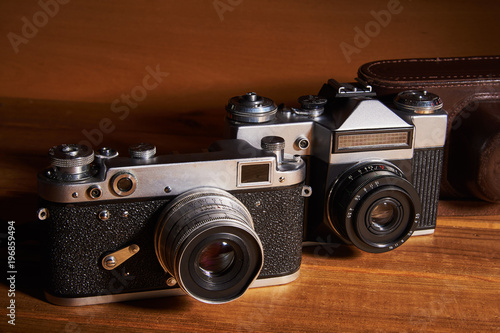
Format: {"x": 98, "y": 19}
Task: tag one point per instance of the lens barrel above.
{"x": 374, "y": 207}
{"x": 206, "y": 241}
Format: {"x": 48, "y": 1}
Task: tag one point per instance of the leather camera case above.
{"x": 470, "y": 90}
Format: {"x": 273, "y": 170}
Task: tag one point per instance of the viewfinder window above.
{"x": 254, "y": 173}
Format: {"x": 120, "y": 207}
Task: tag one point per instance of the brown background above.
{"x": 93, "y": 51}
{"x": 64, "y": 79}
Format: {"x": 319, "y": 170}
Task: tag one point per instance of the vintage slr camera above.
{"x": 210, "y": 224}
{"x": 374, "y": 168}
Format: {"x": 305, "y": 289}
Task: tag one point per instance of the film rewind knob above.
{"x": 71, "y": 156}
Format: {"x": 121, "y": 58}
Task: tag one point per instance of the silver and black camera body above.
{"x": 374, "y": 167}
{"x": 210, "y": 224}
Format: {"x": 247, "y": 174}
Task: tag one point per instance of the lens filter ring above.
{"x": 372, "y": 236}
{"x": 231, "y": 278}
{"x": 205, "y": 239}
{"x": 374, "y": 207}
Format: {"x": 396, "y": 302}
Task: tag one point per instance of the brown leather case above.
{"x": 470, "y": 90}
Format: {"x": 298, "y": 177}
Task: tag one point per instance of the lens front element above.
{"x": 384, "y": 215}
{"x": 216, "y": 258}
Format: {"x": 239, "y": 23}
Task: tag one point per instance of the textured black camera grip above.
{"x": 427, "y": 166}
{"x": 77, "y": 240}
{"x": 278, "y": 218}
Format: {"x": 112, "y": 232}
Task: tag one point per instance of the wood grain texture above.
{"x": 67, "y": 78}
{"x": 445, "y": 282}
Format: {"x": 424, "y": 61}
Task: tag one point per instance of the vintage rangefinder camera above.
{"x": 210, "y": 224}
{"x": 374, "y": 168}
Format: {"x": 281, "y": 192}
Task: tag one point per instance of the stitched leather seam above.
{"x": 435, "y": 85}
{"x": 469, "y": 99}
{"x": 432, "y": 60}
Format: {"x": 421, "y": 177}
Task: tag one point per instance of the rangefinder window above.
{"x": 254, "y": 173}
{"x": 370, "y": 140}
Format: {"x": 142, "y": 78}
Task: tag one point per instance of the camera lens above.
{"x": 374, "y": 207}
{"x": 216, "y": 258}
{"x": 206, "y": 240}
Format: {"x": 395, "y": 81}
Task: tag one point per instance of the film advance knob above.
{"x": 418, "y": 101}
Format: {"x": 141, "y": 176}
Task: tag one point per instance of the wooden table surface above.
{"x": 446, "y": 282}
{"x": 69, "y": 82}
